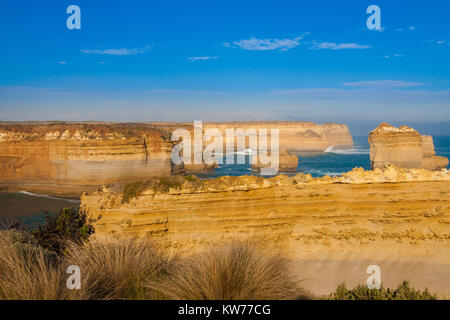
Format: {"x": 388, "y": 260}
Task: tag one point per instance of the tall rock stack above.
{"x": 403, "y": 147}
{"x": 286, "y": 162}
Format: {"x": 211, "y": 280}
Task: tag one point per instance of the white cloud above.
{"x": 62, "y": 62}
{"x": 336, "y": 46}
{"x": 255, "y": 44}
{"x": 181, "y": 91}
{"x": 397, "y": 55}
{"x": 439, "y": 42}
{"x": 311, "y": 92}
{"x": 383, "y": 84}
{"x": 411, "y": 28}
{"x": 117, "y": 52}
{"x": 192, "y": 59}
{"x": 366, "y": 95}
{"x": 23, "y": 91}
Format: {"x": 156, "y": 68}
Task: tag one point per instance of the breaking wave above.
{"x": 356, "y": 150}
{"x": 31, "y": 194}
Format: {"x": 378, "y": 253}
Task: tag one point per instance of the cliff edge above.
{"x": 69, "y": 158}
{"x": 404, "y": 147}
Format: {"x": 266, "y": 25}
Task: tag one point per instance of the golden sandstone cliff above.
{"x": 404, "y": 147}
{"x": 174, "y": 206}
{"x": 331, "y": 228}
{"x": 294, "y": 136}
{"x": 69, "y": 158}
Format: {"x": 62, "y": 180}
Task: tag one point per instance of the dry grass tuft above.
{"x": 29, "y": 272}
{"x": 119, "y": 268}
{"x": 234, "y": 271}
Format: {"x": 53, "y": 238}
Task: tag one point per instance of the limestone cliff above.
{"x": 330, "y": 228}
{"x": 67, "y": 159}
{"x": 226, "y": 206}
{"x": 286, "y": 162}
{"x": 294, "y": 136}
{"x": 404, "y": 147}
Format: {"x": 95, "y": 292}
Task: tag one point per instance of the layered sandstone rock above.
{"x": 294, "y": 136}
{"x": 330, "y": 228}
{"x": 199, "y": 201}
{"x": 287, "y": 162}
{"x": 67, "y": 159}
{"x": 404, "y": 147}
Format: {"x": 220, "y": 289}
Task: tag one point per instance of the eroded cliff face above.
{"x": 404, "y": 147}
{"x": 331, "y": 228}
{"x": 362, "y": 205}
{"x": 67, "y": 159}
{"x": 294, "y": 136}
{"x": 286, "y": 162}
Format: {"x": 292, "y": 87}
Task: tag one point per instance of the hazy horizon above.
{"x": 232, "y": 61}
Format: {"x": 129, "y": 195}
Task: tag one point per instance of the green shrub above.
{"x": 130, "y": 191}
{"x": 69, "y": 225}
{"x": 161, "y": 185}
{"x": 362, "y": 292}
{"x": 192, "y": 178}
{"x": 166, "y": 183}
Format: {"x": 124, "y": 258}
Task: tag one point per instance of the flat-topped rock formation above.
{"x": 294, "y": 136}
{"x": 286, "y": 162}
{"x": 177, "y": 193}
{"x": 68, "y": 158}
{"x": 331, "y": 228}
{"x": 404, "y": 147}
{"x": 299, "y": 136}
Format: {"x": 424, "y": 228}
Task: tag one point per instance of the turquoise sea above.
{"x": 332, "y": 163}
{"x": 30, "y": 208}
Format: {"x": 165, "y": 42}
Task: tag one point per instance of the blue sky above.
{"x": 227, "y": 60}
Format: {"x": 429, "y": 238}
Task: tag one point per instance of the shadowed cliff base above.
{"x": 69, "y": 158}
{"x": 146, "y": 269}
{"x": 398, "y": 218}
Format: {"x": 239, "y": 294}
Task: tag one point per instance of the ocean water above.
{"x": 332, "y": 162}
{"x": 30, "y": 208}
{"x": 335, "y": 162}
{"x": 442, "y": 145}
